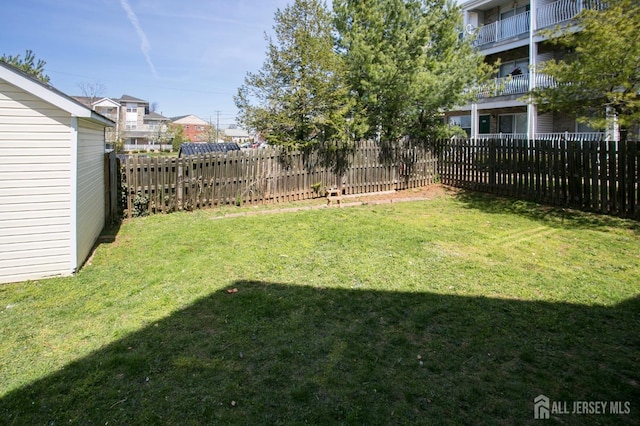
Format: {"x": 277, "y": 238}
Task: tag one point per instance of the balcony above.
{"x": 512, "y": 85}
{"x": 546, "y": 16}
{"x": 503, "y": 86}
{"x": 503, "y": 29}
{"x": 564, "y": 10}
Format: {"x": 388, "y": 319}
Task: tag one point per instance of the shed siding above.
{"x": 91, "y": 187}
{"x": 35, "y": 177}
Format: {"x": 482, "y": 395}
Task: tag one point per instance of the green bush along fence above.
{"x": 165, "y": 184}
{"x": 592, "y": 175}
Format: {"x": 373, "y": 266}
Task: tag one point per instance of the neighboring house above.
{"x": 509, "y": 31}
{"x": 195, "y": 129}
{"x": 237, "y": 135}
{"x": 138, "y": 128}
{"x": 52, "y": 188}
{"x": 143, "y": 130}
{"x": 110, "y": 109}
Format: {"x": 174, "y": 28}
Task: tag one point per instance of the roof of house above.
{"x": 127, "y": 98}
{"x": 103, "y": 101}
{"x": 189, "y": 119}
{"x": 49, "y": 94}
{"x": 205, "y": 148}
{"x": 155, "y": 116}
{"x": 84, "y": 100}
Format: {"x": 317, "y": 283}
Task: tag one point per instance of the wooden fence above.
{"x": 592, "y": 175}
{"x": 111, "y": 188}
{"x": 164, "y": 184}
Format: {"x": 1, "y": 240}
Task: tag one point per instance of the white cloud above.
{"x": 144, "y": 42}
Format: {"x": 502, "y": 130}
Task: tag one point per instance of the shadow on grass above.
{"x": 550, "y": 215}
{"x": 282, "y": 354}
{"x": 109, "y": 233}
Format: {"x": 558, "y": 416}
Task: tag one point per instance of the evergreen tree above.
{"x": 28, "y": 65}
{"x": 298, "y": 99}
{"x": 406, "y": 63}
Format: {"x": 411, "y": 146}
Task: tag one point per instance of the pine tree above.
{"x": 298, "y": 99}
{"x": 406, "y": 63}
{"x": 28, "y": 65}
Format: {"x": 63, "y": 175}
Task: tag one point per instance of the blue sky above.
{"x": 188, "y": 56}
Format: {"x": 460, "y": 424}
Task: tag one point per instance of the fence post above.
{"x": 111, "y": 187}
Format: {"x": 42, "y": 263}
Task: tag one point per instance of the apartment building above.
{"x": 195, "y": 129}
{"x": 142, "y": 129}
{"x": 138, "y": 128}
{"x": 511, "y": 32}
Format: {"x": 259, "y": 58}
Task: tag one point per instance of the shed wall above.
{"x": 90, "y": 187}
{"x": 35, "y": 181}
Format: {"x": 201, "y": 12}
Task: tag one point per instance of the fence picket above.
{"x": 594, "y": 175}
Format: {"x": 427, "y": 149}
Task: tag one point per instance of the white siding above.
{"x": 545, "y": 123}
{"x": 91, "y": 187}
{"x": 35, "y": 181}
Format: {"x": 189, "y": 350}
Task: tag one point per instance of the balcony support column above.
{"x": 532, "y": 110}
{"x": 475, "y": 126}
{"x": 613, "y": 128}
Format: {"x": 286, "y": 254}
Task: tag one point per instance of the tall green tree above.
{"x": 176, "y": 133}
{"x": 299, "y": 99}
{"x": 28, "y": 64}
{"x": 600, "y": 69}
{"x": 406, "y": 63}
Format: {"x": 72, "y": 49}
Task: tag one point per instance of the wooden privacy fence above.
{"x": 164, "y": 184}
{"x": 593, "y": 175}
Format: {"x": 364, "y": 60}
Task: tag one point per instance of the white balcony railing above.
{"x": 544, "y": 80}
{"x": 551, "y": 14}
{"x": 502, "y": 136}
{"x": 512, "y": 85}
{"x": 564, "y": 10}
{"x": 502, "y": 86}
{"x": 503, "y": 29}
{"x": 572, "y": 136}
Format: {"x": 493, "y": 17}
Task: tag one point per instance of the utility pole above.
{"x": 217, "y": 125}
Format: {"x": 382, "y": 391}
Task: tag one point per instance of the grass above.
{"x": 459, "y": 310}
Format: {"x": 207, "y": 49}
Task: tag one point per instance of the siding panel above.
{"x": 91, "y": 215}
{"x": 34, "y": 187}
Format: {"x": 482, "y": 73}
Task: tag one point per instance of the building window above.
{"x": 513, "y": 12}
{"x": 131, "y": 117}
{"x": 513, "y": 22}
{"x": 463, "y": 121}
{"x": 512, "y": 67}
{"x": 512, "y": 123}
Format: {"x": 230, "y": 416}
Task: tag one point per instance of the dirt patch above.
{"x": 424, "y": 193}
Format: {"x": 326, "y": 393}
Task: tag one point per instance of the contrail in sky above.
{"x": 144, "y": 43}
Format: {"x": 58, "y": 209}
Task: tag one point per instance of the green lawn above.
{"x": 458, "y": 310}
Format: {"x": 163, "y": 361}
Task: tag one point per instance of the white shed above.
{"x": 52, "y": 187}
